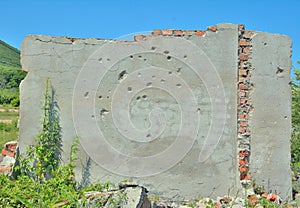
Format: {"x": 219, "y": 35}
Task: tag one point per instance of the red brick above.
{"x": 243, "y": 169}
{"x": 241, "y": 101}
{"x": 241, "y": 27}
{"x": 248, "y": 102}
{"x": 241, "y": 130}
{"x": 3, "y": 169}
{"x": 242, "y": 94}
{"x": 72, "y": 39}
{"x": 11, "y": 146}
{"x": 156, "y": 32}
{"x": 272, "y": 197}
{"x": 243, "y": 153}
{"x": 241, "y": 63}
{"x": 246, "y": 51}
{"x": 245, "y": 176}
{"x": 241, "y": 116}
{"x": 212, "y": 28}
{"x": 178, "y": 32}
{"x": 4, "y": 152}
{"x": 243, "y": 124}
{"x": 264, "y": 194}
{"x": 243, "y": 57}
{"x": 243, "y": 72}
{"x": 189, "y": 32}
{"x": 139, "y": 37}
{"x": 245, "y": 109}
{"x": 167, "y": 32}
{"x": 247, "y": 116}
{"x": 243, "y": 162}
{"x": 199, "y": 33}
{"x": 243, "y": 87}
{"x": 243, "y": 42}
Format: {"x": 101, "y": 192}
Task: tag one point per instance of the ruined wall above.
{"x": 181, "y": 112}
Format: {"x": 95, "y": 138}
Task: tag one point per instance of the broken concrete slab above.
{"x": 161, "y": 111}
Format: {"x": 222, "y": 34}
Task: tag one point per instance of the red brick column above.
{"x": 244, "y": 105}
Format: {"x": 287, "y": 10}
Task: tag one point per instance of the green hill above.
{"x": 10, "y": 74}
{"x": 9, "y": 56}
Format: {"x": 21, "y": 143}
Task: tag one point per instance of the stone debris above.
{"x": 7, "y": 160}
{"x": 124, "y": 197}
{"x": 223, "y": 202}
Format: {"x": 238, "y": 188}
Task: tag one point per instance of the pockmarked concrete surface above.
{"x": 271, "y": 119}
{"x": 160, "y": 111}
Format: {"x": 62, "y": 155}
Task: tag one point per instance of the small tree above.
{"x": 44, "y": 156}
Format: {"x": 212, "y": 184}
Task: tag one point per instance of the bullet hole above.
{"x": 140, "y": 56}
{"x": 86, "y": 94}
{"x": 93, "y": 116}
{"x": 153, "y": 48}
{"x": 153, "y": 77}
{"x": 169, "y": 58}
{"x": 145, "y": 59}
{"x": 149, "y": 84}
{"x": 178, "y": 70}
{"x": 162, "y": 81}
{"x": 109, "y": 91}
{"x": 166, "y": 52}
{"x": 279, "y": 72}
{"x": 285, "y": 117}
{"x": 131, "y": 57}
{"x": 107, "y": 96}
{"x": 138, "y": 98}
{"x": 265, "y": 44}
{"x": 100, "y": 60}
{"x": 122, "y": 75}
{"x": 148, "y": 135}
{"x": 144, "y": 97}
{"x": 139, "y": 74}
{"x": 108, "y": 59}
{"x": 198, "y": 110}
{"x": 100, "y": 97}
{"x": 185, "y": 56}
{"x": 178, "y": 85}
{"x": 129, "y": 89}
{"x": 170, "y": 73}
{"x": 103, "y": 112}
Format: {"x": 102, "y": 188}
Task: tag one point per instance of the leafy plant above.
{"x": 43, "y": 158}
{"x": 40, "y": 180}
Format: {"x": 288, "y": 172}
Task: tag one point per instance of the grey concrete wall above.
{"x": 160, "y": 112}
{"x": 271, "y": 117}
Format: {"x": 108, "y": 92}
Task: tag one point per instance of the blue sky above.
{"x": 115, "y": 18}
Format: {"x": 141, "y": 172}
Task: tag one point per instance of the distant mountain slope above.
{"x": 10, "y": 75}
{"x": 9, "y": 56}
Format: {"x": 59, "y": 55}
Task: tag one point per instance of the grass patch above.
{"x": 8, "y": 124}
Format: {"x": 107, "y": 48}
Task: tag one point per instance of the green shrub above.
{"x": 9, "y": 97}
{"x": 39, "y": 179}
{"x": 295, "y": 140}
